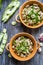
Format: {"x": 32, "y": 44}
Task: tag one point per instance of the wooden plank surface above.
{"x": 12, "y": 30}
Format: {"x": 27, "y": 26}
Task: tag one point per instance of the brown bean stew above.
{"x": 22, "y": 46}
{"x": 32, "y": 15}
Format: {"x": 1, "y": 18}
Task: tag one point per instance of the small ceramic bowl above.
{"x": 21, "y": 9}
{"x": 35, "y": 47}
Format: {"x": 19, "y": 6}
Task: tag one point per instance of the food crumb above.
{"x": 13, "y": 23}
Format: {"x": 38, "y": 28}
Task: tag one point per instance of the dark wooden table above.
{"x": 12, "y": 30}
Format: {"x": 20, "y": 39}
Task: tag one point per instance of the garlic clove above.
{"x": 39, "y": 50}
{"x": 41, "y": 37}
{"x": 41, "y": 44}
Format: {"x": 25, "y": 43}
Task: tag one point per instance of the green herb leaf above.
{"x": 14, "y": 42}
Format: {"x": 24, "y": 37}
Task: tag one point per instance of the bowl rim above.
{"x": 15, "y": 55}
{"x": 33, "y": 27}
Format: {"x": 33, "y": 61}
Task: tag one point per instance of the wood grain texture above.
{"x": 12, "y": 30}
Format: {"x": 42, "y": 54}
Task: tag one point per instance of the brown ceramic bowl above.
{"x": 35, "y": 47}
{"x": 21, "y": 9}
